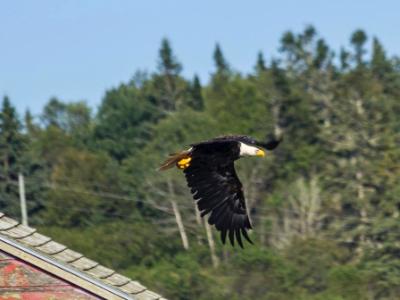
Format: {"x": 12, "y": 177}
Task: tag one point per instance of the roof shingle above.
{"x": 60, "y": 253}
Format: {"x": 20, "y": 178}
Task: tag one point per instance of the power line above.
{"x": 318, "y": 234}
{"x": 56, "y": 186}
{"x": 110, "y": 195}
{"x": 184, "y": 205}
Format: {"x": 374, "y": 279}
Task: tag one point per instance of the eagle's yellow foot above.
{"x": 184, "y": 163}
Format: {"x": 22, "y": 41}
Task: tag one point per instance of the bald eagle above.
{"x": 212, "y": 179}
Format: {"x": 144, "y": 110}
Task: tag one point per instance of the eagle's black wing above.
{"x": 213, "y": 181}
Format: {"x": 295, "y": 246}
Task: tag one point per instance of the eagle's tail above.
{"x": 180, "y": 159}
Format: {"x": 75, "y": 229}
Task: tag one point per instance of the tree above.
{"x": 123, "y": 120}
{"x": 30, "y": 125}
{"x": 196, "y": 100}
{"x": 344, "y": 59}
{"x": 221, "y": 76}
{"x": 54, "y": 114}
{"x": 358, "y": 39}
{"x": 260, "y": 64}
{"x": 168, "y": 82}
{"x": 168, "y": 64}
{"x": 321, "y": 55}
{"x": 12, "y": 145}
{"x": 380, "y": 66}
{"x": 324, "y": 206}
{"x": 221, "y": 65}
{"x": 82, "y": 189}
{"x": 72, "y": 118}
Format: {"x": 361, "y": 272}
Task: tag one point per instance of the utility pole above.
{"x": 22, "y": 199}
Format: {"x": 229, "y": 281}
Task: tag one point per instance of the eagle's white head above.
{"x": 248, "y": 150}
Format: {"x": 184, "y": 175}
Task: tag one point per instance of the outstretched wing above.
{"x": 214, "y": 184}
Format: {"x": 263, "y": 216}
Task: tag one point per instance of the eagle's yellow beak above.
{"x": 260, "y": 153}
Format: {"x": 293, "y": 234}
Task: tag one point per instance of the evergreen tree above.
{"x": 123, "y": 120}
{"x": 301, "y": 51}
{"x": 168, "y": 64}
{"x": 288, "y": 46}
{"x": 325, "y": 204}
{"x": 30, "y": 126}
{"x": 221, "y": 64}
{"x": 11, "y": 148}
{"x": 11, "y": 141}
{"x": 279, "y": 78}
{"x": 308, "y": 34}
{"x": 196, "y": 100}
{"x": 358, "y": 39}
{"x": 221, "y": 76}
{"x": 380, "y": 66}
{"x": 344, "y": 59}
{"x": 260, "y": 64}
{"x": 169, "y": 86}
{"x": 321, "y": 55}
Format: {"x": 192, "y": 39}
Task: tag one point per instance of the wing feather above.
{"x": 213, "y": 181}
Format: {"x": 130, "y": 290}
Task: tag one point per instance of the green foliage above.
{"x": 80, "y": 185}
{"x": 324, "y": 205}
{"x": 260, "y": 64}
{"x": 196, "y": 100}
{"x": 168, "y": 88}
{"x": 69, "y": 117}
{"x": 221, "y": 65}
{"x": 358, "y": 40}
{"x": 12, "y": 144}
{"x": 168, "y": 63}
{"x": 123, "y": 119}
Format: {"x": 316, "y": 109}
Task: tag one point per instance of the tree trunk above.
{"x": 199, "y": 223}
{"x": 214, "y": 257}
{"x": 363, "y": 214}
{"x": 277, "y": 128}
{"x": 262, "y": 233}
{"x": 178, "y": 218}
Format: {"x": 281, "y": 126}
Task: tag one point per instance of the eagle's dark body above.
{"x": 212, "y": 179}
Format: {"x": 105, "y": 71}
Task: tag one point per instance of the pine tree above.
{"x": 358, "y": 40}
{"x": 123, "y": 118}
{"x": 380, "y": 66}
{"x": 10, "y": 137}
{"x": 11, "y": 147}
{"x": 344, "y": 59}
{"x": 321, "y": 55}
{"x": 221, "y": 64}
{"x": 168, "y": 64}
{"x": 299, "y": 50}
{"x": 260, "y": 64}
{"x": 288, "y": 45}
{"x": 196, "y": 98}
{"x": 169, "y": 86}
{"x": 279, "y": 77}
{"x": 29, "y": 124}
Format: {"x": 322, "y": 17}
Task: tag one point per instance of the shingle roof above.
{"x": 58, "y": 253}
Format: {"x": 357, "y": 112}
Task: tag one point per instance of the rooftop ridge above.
{"x": 27, "y": 239}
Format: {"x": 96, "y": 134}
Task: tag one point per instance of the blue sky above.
{"x": 76, "y": 49}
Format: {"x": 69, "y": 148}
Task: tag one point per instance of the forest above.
{"x": 325, "y": 205}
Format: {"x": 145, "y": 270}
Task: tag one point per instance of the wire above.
{"x": 101, "y": 194}
{"x": 110, "y": 195}
{"x": 318, "y": 234}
